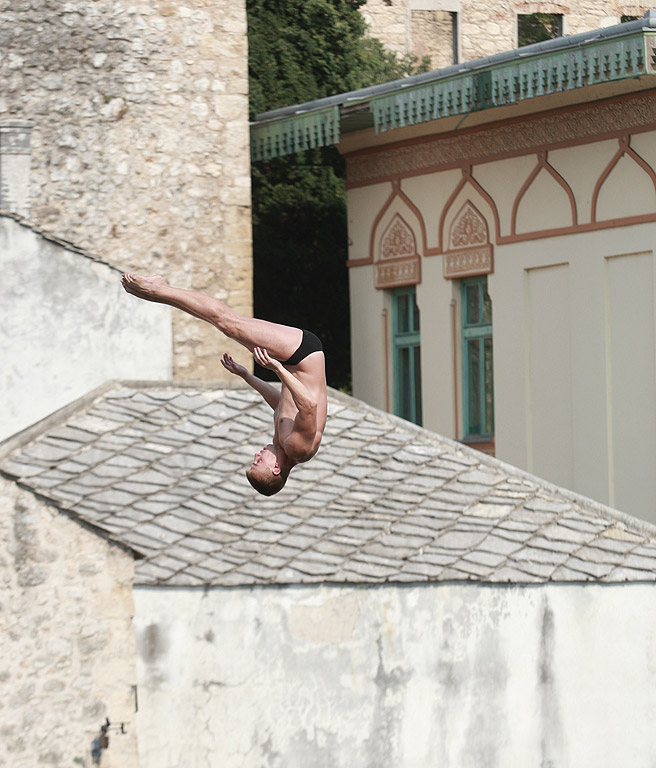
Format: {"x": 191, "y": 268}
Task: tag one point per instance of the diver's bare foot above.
{"x": 149, "y": 288}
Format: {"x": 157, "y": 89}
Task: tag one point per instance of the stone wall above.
{"x": 432, "y": 36}
{"x": 404, "y": 30}
{"x": 67, "y": 653}
{"x": 484, "y": 28}
{"x": 389, "y": 23}
{"x": 140, "y": 141}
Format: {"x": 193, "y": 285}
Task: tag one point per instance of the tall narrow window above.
{"x": 537, "y": 27}
{"x": 477, "y": 358}
{"x": 407, "y": 356}
{"x": 454, "y": 36}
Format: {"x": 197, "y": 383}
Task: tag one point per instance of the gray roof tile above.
{"x": 629, "y": 574}
{"x": 151, "y": 572}
{"x": 470, "y": 567}
{"x": 566, "y": 574}
{"x": 460, "y": 540}
{"x": 484, "y": 558}
{"x": 537, "y": 555}
{"x": 542, "y": 571}
{"x": 507, "y": 574}
{"x": 160, "y": 469}
{"x": 588, "y": 567}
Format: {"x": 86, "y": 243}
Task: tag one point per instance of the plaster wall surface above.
{"x": 570, "y": 228}
{"x": 66, "y": 327}
{"x": 67, "y": 649}
{"x": 439, "y": 318}
{"x": 140, "y": 145}
{"x": 575, "y": 363}
{"x": 371, "y": 367}
{"x": 399, "y": 676}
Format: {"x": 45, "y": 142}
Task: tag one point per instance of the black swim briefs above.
{"x": 309, "y": 344}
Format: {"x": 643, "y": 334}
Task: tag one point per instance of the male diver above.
{"x": 294, "y": 355}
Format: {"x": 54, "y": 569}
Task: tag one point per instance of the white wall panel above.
{"x": 631, "y": 342}
{"x": 549, "y": 373}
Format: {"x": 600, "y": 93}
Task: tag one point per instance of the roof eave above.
{"x": 619, "y": 53}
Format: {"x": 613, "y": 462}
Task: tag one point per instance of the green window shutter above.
{"x": 407, "y": 355}
{"x": 477, "y": 368}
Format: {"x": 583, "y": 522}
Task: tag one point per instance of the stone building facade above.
{"x": 404, "y": 29}
{"x": 140, "y": 141}
{"x": 452, "y": 31}
{"x": 67, "y": 649}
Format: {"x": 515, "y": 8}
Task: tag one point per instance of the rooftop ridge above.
{"x": 647, "y": 22}
{"x": 52, "y": 238}
{"x": 564, "y": 64}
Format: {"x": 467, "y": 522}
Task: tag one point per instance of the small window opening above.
{"x": 538, "y": 27}
{"x": 454, "y": 36}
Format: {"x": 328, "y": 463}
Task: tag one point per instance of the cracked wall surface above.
{"x": 140, "y": 145}
{"x": 67, "y": 655}
{"x": 403, "y": 676}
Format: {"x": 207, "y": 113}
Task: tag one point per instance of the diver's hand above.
{"x": 230, "y": 365}
{"x": 261, "y": 357}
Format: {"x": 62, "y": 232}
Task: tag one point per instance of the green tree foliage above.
{"x": 300, "y": 50}
{"x": 538, "y": 27}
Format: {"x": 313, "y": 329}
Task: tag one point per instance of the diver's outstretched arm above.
{"x": 270, "y": 394}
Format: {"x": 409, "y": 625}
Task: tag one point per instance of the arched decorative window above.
{"x": 398, "y": 262}
{"x": 469, "y": 251}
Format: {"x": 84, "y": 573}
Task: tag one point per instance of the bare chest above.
{"x": 284, "y": 415}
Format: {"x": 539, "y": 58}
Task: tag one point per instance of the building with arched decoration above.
{"x": 502, "y": 220}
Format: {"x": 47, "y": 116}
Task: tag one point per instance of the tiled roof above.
{"x": 159, "y": 468}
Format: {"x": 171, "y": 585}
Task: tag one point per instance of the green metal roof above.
{"x": 616, "y": 53}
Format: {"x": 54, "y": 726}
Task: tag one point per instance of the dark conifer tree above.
{"x": 300, "y": 50}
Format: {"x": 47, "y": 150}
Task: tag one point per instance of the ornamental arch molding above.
{"x": 545, "y": 201}
{"x": 626, "y": 188}
{"x": 395, "y": 252}
{"x": 465, "y": 233}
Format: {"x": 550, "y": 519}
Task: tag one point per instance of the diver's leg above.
{"x": 281, "y": 341}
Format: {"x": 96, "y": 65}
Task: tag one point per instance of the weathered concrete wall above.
{"x": 67, "y": 655}
{"x": 398, "y": 676}
{"x": 66, "y": 327}
{"x": 484, "y": 28}
{"x": 140, "y": 140}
